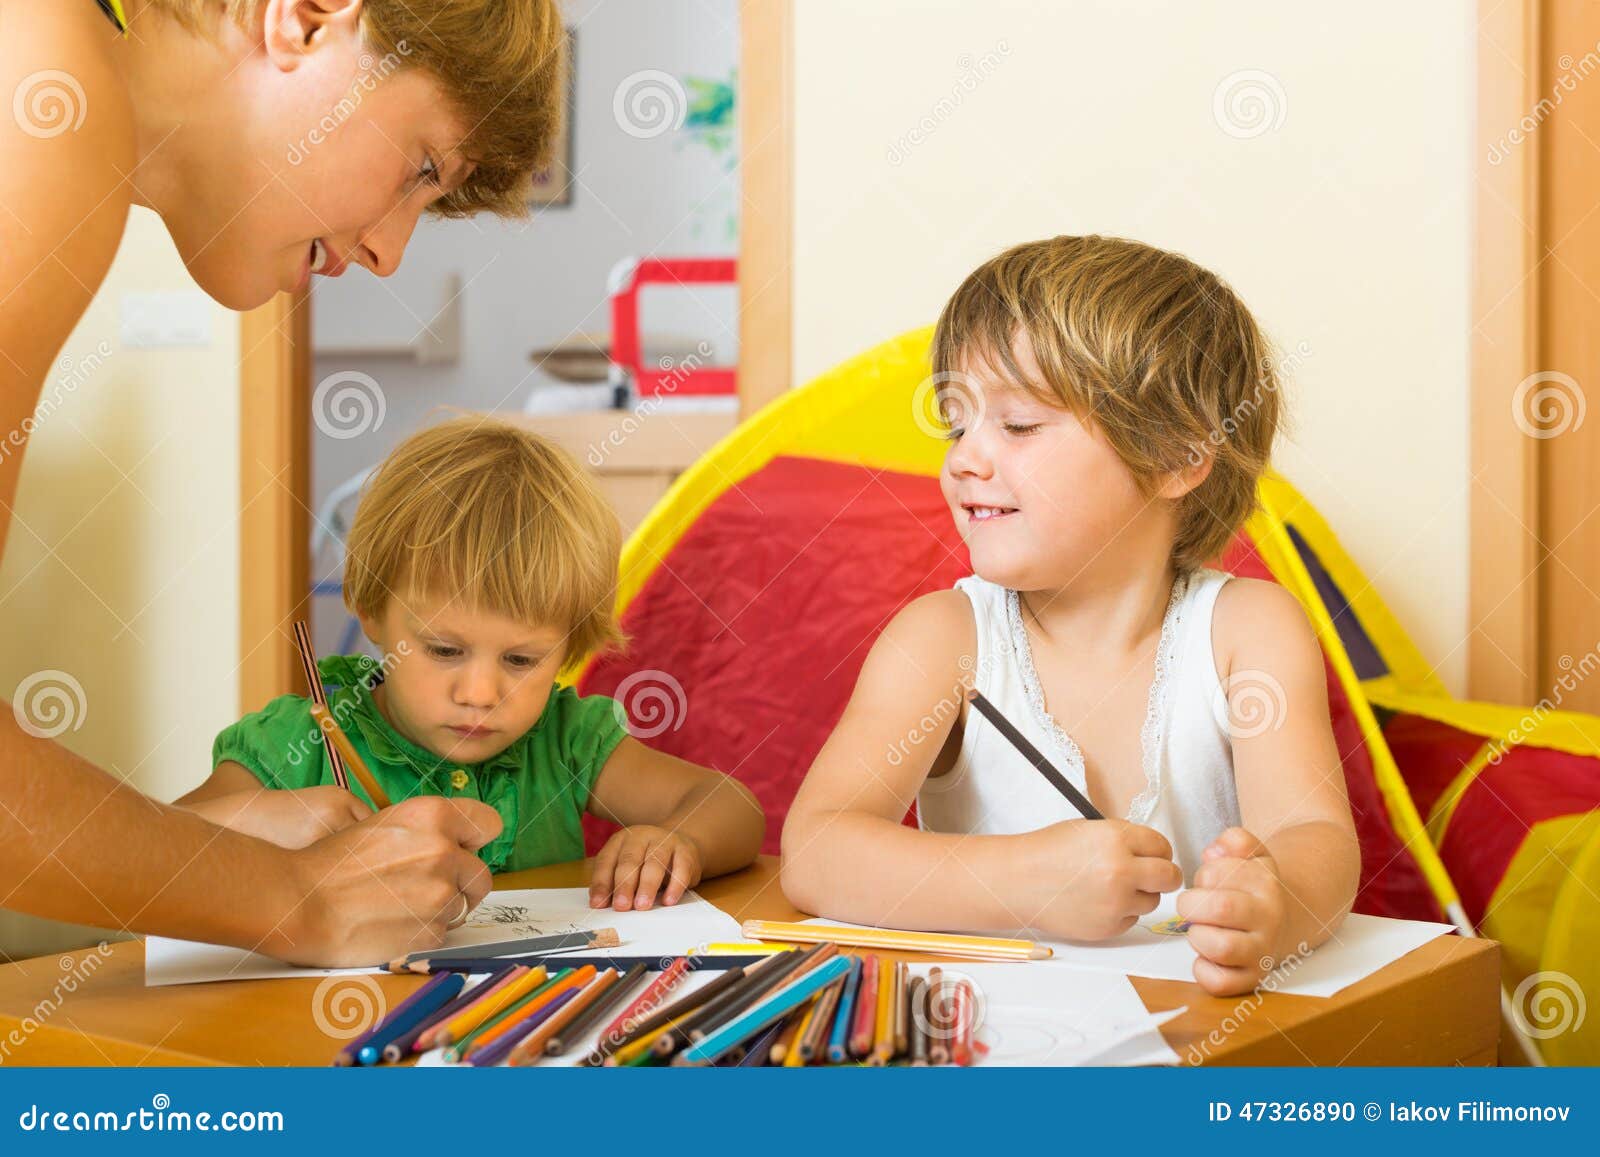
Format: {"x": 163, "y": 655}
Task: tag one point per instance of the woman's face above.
{"x": 338, "y": 151}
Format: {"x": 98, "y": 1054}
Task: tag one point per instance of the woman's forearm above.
{"x": 78, "y": 845}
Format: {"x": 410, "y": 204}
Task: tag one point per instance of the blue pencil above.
{"x": 347, "y": 1055}
{"x": 409, "y": 1015}
{"x": 747, "y": 1024}
{"x": 839, "y": 1038}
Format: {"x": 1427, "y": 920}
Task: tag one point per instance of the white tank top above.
{"x": 1189, "y": 794}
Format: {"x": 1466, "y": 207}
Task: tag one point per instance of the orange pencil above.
{"x": 352, "y": 759}
{"x": 577, "y": 978}
{"x": 470, "y": 1018}
{"x": 533, "y": 1045}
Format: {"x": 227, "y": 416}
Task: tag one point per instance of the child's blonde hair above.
{"x": 486, "y": 512}
{"x": 502, "y": 64}
{"x": 1159, "y": 352}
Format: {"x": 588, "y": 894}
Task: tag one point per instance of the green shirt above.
{"x": 540, "y": 784}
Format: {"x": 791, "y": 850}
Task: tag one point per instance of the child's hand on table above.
{"x": 1093, "y": 879}
{"x": 637, "y": 861}
{"x": 1238, "y": 909}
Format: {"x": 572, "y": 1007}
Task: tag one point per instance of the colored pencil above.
{"x": 666, "y": 1014}
{"x": 839, "y": 1038}
{"x": 498, "y": 1050}
{"x": 866, "y": 1010}
{"x": 788, "y": 1040}
{"x": 883, "y": 1030}
{"x": 352, "y": 757}
{"x": 769, "y": 979}
{"x": 757, "y": 1051}
{"x": 734, "y": 996}
{"x": 734, "y": 948}
{"x": 918, "y": 1042}
{"x": 1034, "y": 756}
{"x": 525, "y": 946}
{"x": 897, "y": 940}
{"x": 399, "y": 1048}
{"x": 794, "y": 1057}
{"x": 319, "y": 697}
{"x": 961, "y": 1043}
{"x": 773, "y": 1007}
{"x": 938, "y": 1018}
{"x": 485, "y": 964}
{"x": 525, "y": 994}
{"x": 508, "y": 1019}
{"x": 591, "y": 1016}
{"x": 347, "y": 1055}
{"x": 902, "y": 1010}
{"x": 467, "y": 1020}
{"x": 814, "y": 1041}
{"x": 532, "y": 1047}
{"x": 372, "y": 1052}
{"x": 649, "y": 1002}
{"x": 484, "y": 991}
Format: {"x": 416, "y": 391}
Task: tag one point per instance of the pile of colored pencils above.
{"x": 792, "y": 1008}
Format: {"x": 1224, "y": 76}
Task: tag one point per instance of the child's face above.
{"x": 340, "y": 145}
{"x": 1038, "y": 494}
{"x": 463, "y": 684}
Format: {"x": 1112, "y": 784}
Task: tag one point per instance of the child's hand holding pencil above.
{"x": 1092, "y": 879}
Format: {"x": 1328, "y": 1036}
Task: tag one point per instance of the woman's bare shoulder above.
{"x": 66, "y": 163}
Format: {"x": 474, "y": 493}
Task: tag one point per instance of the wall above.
{"x": 121, "y": 572}
{"x": 641, "y": 189}
{"x": 1319, "y": 159}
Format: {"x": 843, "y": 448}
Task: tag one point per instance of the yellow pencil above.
{"x": 731, "y": 948}
{"x": 575, "y": 979}
{"x": 895, "y": 940}
{"x": 475, "y": 1015}
{"x": 793, "y": 1059}
{"x": 883, "y": 1037}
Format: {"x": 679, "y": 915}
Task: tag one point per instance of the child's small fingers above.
{"x": 604, "y": 873}
{"x": 1241, "y": 842}
{"x": 685, "y": 874}
{"x": 629, "y": 861}
{"x": 1219, "y": 907}
{"x": 1220, "y": 980}
{"x": 650, "y": 877}
{"x": 1225, "y": 946}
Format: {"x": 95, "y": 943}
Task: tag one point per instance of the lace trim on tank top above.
{"x": 1155, "y": 716}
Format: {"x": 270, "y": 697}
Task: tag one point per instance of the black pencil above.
{"x": 712, "y": 963}
{"x": 1034, "y": 756}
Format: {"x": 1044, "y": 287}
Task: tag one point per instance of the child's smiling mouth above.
{"x": 980, "y": 513}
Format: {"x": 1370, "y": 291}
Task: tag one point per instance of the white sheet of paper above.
{"x": 1361, "y": 946}
{"x": 660, "y": 931}
{"x": 1037, "y": 1017}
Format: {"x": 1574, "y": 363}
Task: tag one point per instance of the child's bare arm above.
{"x": 847, "y": 855}
{"x": 680, "y": 822}
{"x": 1289, "y": 876}
{"x": 234, "y": 798}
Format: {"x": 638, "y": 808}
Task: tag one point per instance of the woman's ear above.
{"x": 1195, "y": 470}
{"x": 293, "y": 29}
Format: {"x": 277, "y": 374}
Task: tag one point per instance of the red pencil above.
{"x": 966, "y": 1007}
{"x": 649, "y": 1000}
{"x": 863, "y": 1032}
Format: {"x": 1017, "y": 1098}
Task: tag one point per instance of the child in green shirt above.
{"x": 481, "y": 558}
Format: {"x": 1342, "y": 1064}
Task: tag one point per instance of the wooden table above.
{"x": 1438, "y": 1005}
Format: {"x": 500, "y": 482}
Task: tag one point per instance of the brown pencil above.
{"x": 938, "y": 997}
{"x": 918, "y": 1016}
{"x": 902, "y": 1008}
{"x": 814, "y": 1040}
{"x": 352, "y": 758}
{"x": 319, "y": 698}
{"x": 531, "y": 1047}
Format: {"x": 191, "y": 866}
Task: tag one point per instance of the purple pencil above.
{"x": 499, "y": 1050}
{"x": 404, "y": 1046}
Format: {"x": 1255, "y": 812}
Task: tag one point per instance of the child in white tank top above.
{"x": 1109, "y": 407}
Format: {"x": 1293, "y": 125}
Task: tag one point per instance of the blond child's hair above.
{"x": 1160, "y": 353}
{"x": 483, "y": 511}
{"x": 503, "y": 66}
